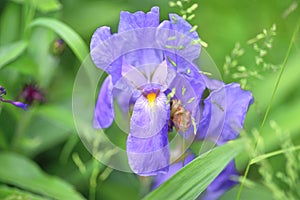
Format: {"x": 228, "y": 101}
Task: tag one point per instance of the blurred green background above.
{"x": 45, "y": 134}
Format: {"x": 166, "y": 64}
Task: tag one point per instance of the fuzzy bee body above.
{"x": 180, "y": 117}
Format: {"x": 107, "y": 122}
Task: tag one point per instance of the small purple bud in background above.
{"x": 58, "y": 47}
{"x": 15, "y": 103}
{"x": 2, "y": 91}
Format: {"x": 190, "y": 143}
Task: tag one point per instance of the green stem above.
{"x": 270, "y": 104}
{"x": 271, "y": 154}
{"x": 93, "y": 180}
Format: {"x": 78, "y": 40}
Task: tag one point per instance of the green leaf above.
{"x": 11, "y": 51}
{"x": 74, "y": 41}
{"x": 58, "y": 114}
{"x": 52, "y": 125}
{"x": 42, "y": 5}
{"x": 14, "y": 193}
{"x": 24, "y": 65}
{"x": 10, "y": 27}
{"x": 19, "y": 171}
{"x": 198, "y": 174}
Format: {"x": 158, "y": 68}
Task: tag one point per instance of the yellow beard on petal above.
{"x": 151, "y": 98}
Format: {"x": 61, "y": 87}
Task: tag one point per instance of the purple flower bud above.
{"x": 15, "y": 103}
{"x": 2, "y": 91}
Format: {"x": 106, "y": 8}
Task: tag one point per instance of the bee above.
{"x": 180, "y": 117}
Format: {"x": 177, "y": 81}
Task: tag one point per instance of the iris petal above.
{"x": 149, "y": 156}
{"x": 149, "y": 119}
{"x": 100, "y": 35}
{"x": 104, "y": 111}
{"x": 185, "y": 45}
{"x": 147, "y": 143}
{"x": 129, "y": 21}
{"x": 224, "y": 113}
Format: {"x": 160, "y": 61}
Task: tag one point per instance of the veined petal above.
{"x": 139, "y": 20}
{"x": 163, "y": 75}
{"x": 100, "y": 35}
{"x": 129, "y": 21}
{"x": 224, "y": 113}
{"x": 149, "y": 156}
{"x": 133, "y": 77}
{"x": 149, "y": 118}
{"x": 104, "y": 111}
{"x": 102, "y": 48}
{"x": 182, "y": 40}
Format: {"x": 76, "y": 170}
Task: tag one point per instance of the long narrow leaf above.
{"x": 74, "y": 41}
{"x": 19, "y": 171}
{"x": 14, "y": 193}
{"x": 192, "y": 180}
{"x": 11, "y": 51}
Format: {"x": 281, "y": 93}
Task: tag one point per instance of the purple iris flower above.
{"x": 15, "y": 103}
{"x": 153, "y": 78}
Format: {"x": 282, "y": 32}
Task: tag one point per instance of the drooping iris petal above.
{"x": 104, "y": 111}
{"x": 149, "y": 118}
{"x": 173, "y": 168}
{"x": 149, "y": 156}
{"x": 224, "y": 113}
{"x": 147, "y": 143}
{"x": 223, "y": 182}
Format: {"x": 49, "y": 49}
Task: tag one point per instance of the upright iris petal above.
{"x": 149, "y": 156}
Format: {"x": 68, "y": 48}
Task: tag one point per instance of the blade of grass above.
{"x": 11, "y": 51}
{"x": 74, "y": 41}
{"x": 198, "y": 174}
{"x": 271, "y": 101}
